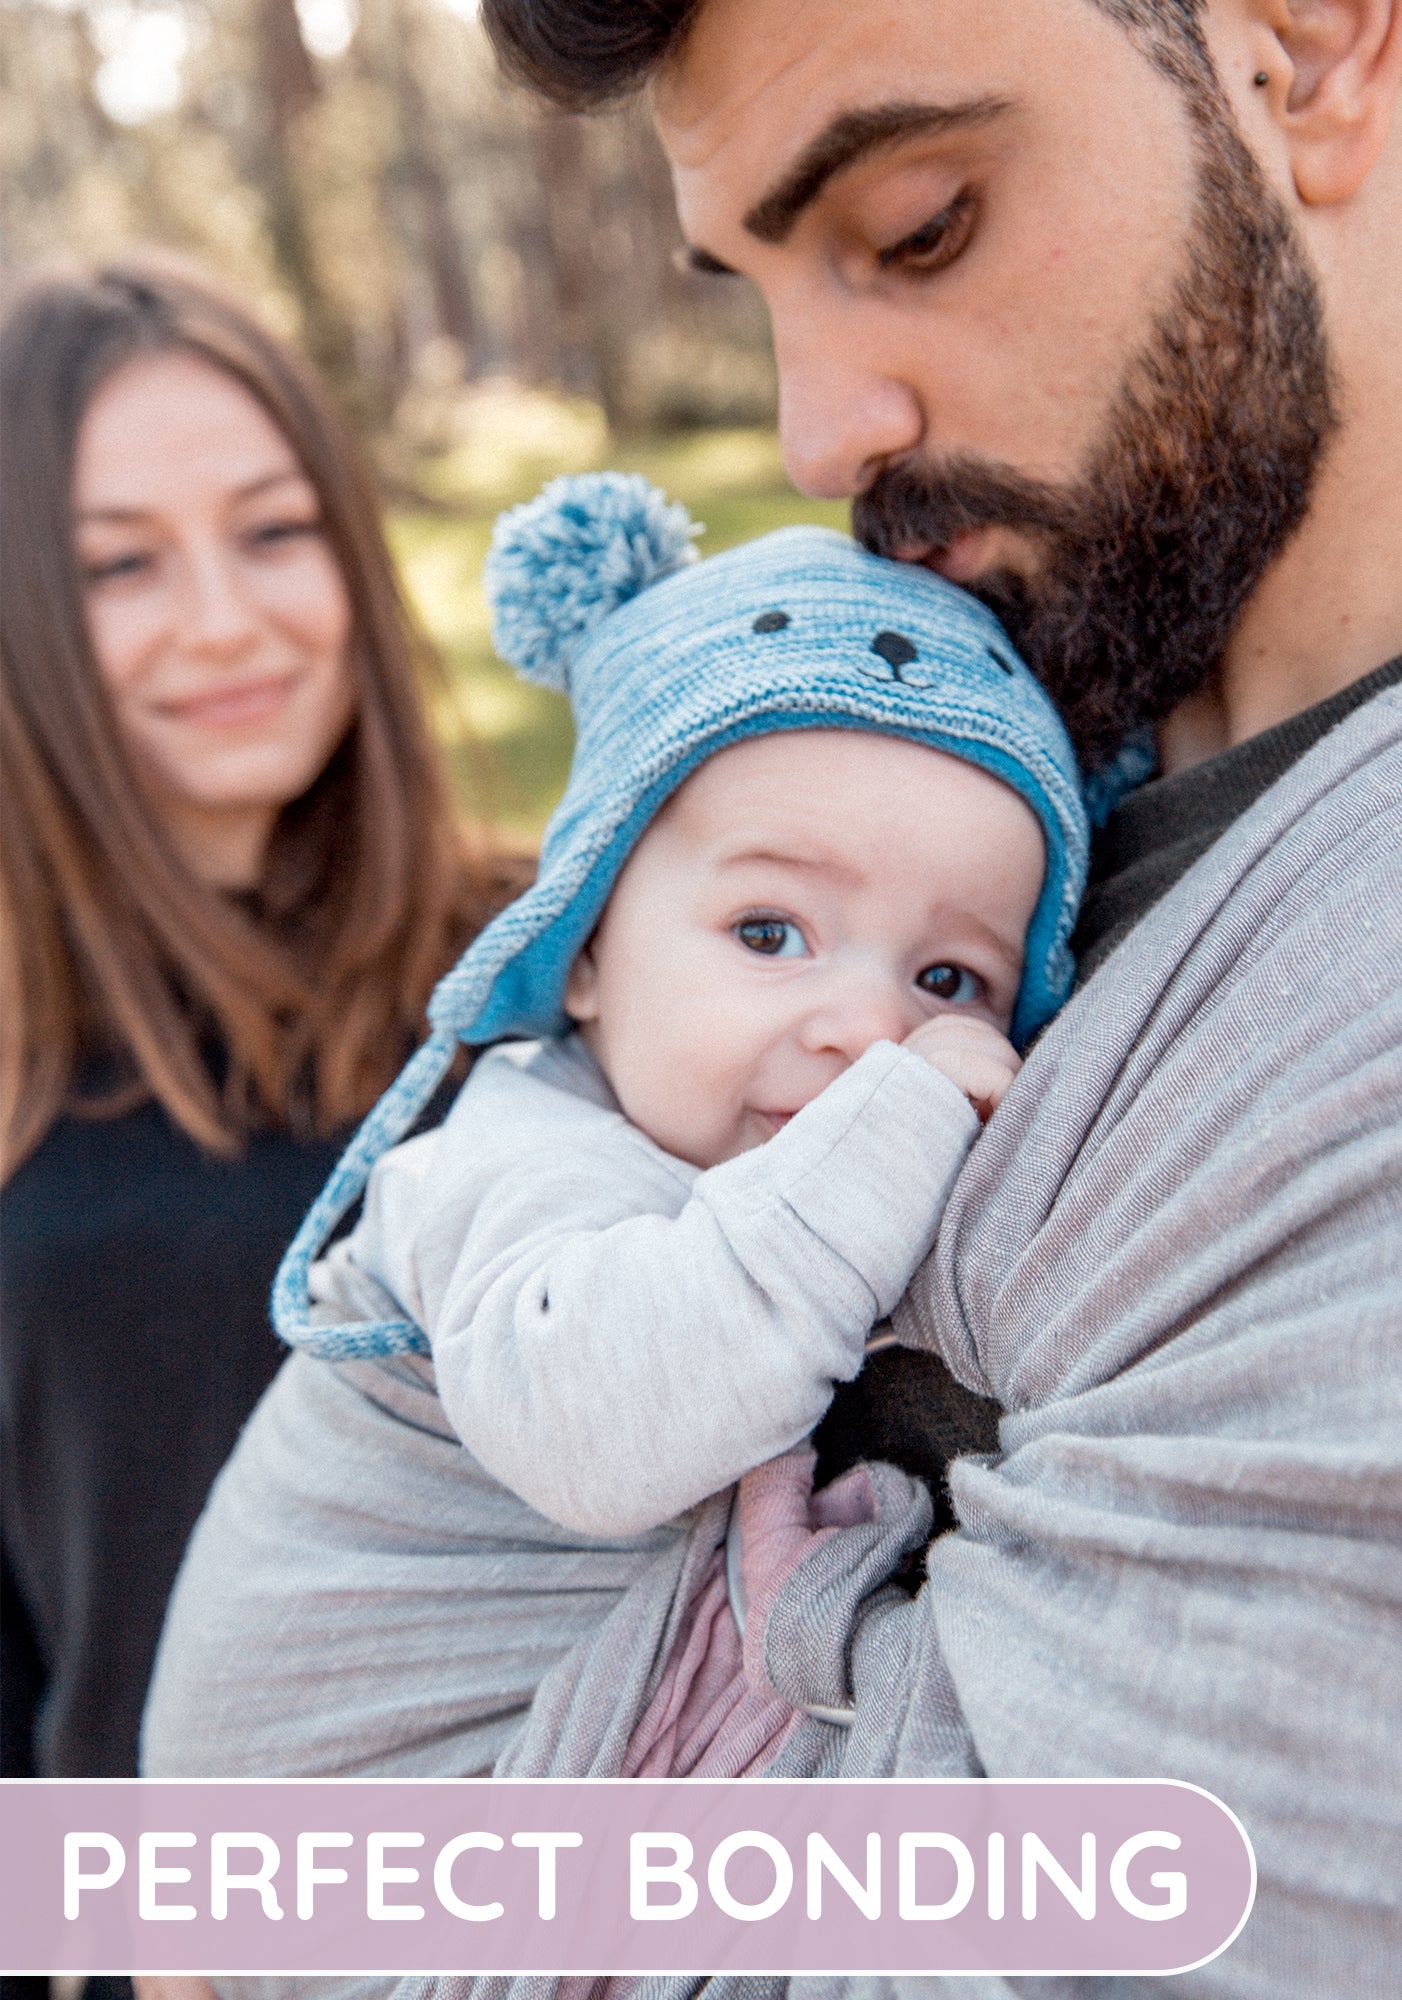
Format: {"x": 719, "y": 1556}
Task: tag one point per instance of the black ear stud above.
{"x": 771, "y": 621}
{"x": 895, "y": 649}
{"x": 1261, "y": 79}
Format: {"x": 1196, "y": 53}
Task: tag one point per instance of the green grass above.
{"x": 733, "y": 481}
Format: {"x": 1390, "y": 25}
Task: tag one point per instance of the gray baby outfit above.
{"x": 616, "y": 1336}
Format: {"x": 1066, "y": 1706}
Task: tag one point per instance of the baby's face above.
{"x": 800, "y": 897}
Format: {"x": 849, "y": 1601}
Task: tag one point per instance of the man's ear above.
{"x": 582, "y": 987}
{"x": 1333, "y": 70}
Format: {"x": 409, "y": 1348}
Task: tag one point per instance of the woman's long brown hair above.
{"x": 292, "y": 1008}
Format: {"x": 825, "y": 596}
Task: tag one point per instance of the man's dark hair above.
{"x": 582, "y": 53}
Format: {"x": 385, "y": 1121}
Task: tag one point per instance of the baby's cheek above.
{"x": 661, "y": 1097}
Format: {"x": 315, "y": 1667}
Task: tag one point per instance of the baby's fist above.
{"x": 971, "y": 1053}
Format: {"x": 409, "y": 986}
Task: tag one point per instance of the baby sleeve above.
{"x": 619, "y": 1336}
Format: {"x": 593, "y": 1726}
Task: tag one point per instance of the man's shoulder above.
{"x": 1330, "y": 818}
{"x": 1206, "y": 1140}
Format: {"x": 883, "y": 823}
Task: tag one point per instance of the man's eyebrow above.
{"x": 848, "y": 138}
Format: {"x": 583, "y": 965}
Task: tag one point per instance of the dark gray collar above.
{"x": 1156, "y": 833}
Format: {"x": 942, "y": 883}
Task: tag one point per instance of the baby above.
{"x": 786, "y": 905}
{"x": 812, "y": 879}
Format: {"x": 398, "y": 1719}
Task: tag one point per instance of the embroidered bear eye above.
{"x": 895, "y": 649}
{"x": 771, "y": 621}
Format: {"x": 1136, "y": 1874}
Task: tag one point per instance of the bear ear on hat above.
{"x": 559, "y": 564}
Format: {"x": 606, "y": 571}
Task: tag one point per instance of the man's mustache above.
{"x": 911, "y": 510}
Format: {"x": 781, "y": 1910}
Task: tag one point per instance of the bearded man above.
{"x": 1094, "y": 306}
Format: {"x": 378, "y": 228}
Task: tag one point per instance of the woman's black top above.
{"x": 134, "y": 1281}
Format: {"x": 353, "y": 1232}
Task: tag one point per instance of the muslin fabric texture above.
{"x": 1176, "y": 1260}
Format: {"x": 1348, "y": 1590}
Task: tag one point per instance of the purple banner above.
{"x": 618, "y": 1876}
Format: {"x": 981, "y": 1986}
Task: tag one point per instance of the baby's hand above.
{"x": 972, "y": 1054}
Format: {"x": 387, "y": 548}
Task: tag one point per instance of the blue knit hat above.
{"x": 595, "y": 589}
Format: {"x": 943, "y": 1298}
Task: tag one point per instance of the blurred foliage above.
{"x": 491, "y": 290}
{"x": 358, "y": 169}
{"x": 732, "y": 480}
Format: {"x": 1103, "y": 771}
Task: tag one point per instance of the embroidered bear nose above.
{"x": 771, "y": 621}
{"x": 895, "y": 649}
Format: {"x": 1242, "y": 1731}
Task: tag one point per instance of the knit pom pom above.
{"x": 559, "y": 564}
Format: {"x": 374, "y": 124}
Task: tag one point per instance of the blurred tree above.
{"x": 583, "y": 340}
{"x": 442, "y": 250}
{"x": 357, "y": 167}
{"x": 288, "y": 84}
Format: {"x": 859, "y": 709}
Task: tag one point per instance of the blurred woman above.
{"x": 231, "y": 875}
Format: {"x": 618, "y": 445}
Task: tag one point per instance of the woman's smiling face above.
{"x": 219, "y": 616}
{"x": 803, "y": 896}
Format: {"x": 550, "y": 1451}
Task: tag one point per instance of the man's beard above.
{"x": 1202, "y": 475}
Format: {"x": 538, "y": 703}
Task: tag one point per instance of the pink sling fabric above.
{"x": 714, "y": 1714}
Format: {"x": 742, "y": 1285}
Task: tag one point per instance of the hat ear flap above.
{"x": 561, "y": 563}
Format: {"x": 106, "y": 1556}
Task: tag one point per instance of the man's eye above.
{"x": 936, "y": 243}
{"x": 772, "y": 937}
{"x": 951, "y": 983}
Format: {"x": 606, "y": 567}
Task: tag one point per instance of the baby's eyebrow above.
{"x": 819, "y": 861}
{"x": 1009, "y": 950}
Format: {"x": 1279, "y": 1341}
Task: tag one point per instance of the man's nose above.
{"x": 859, "y": 1006}
{"x": 840, "y": 418}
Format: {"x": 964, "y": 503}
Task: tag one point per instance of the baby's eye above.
{"x": 952, "y": 983}
{"x": 773, "y": 937}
